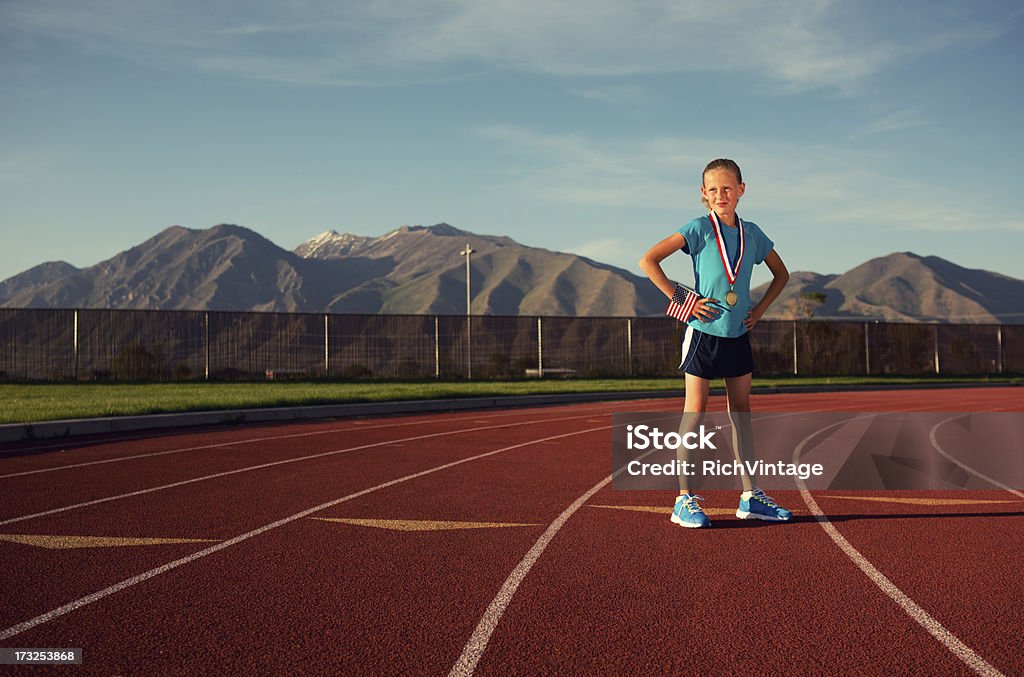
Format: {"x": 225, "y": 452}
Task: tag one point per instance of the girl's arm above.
{"x": 650, "y": 263}
{"x": 781, "y": 277}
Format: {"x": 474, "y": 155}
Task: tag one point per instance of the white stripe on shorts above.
{"x": 687, "y": 357}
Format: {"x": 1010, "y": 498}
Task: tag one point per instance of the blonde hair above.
{"x": 720, "y": 163}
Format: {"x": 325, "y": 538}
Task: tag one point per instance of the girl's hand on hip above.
{"x": 753, "y": 316}
{"x": 704, "y": 311}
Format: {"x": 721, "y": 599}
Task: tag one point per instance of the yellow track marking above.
{"x": 922, "y": 501}
{"x": 421, "y": 525}
{"x": 68, "y": 542}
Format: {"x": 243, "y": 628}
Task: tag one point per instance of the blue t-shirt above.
{"x": 709, "y": 271}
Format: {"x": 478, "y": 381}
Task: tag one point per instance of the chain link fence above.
{"x": 148, "y": 345}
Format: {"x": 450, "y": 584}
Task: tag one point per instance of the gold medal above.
{"x": 732, "y": 298}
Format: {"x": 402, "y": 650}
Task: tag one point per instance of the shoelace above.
{"x": 691, "y": 504}
{"x": 764, "y": 498}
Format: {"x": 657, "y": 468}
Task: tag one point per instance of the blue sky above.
{"x": 862, "y": 128}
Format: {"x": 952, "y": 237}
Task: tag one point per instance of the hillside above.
{"x": 903, "y": 287}
{"x": 413, "y": 269}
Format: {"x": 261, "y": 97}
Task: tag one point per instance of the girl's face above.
{"x": 722, "y": 191}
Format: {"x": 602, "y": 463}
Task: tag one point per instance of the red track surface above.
{"x": 276, "y": 588}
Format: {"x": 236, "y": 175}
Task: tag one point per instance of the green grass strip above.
{"x": 30, "y": 403}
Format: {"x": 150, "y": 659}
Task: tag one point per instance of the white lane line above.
{"x": 261, "y": 466}
{"x": 134, "y": 580}
{"x": 478, "y": 641}
{"x": 474, "y": 649}
{"x": 358, "y": 426}
{"x": 953, "y": 643}
{"x": 153, "y": 454}
{"x": 980, "y": 475}
{"x": 88, "y": 441}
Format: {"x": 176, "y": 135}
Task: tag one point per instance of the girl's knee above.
{"x": 740, "y": 406}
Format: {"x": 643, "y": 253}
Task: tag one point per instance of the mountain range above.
{"x": 903, "y": 287}
{"x": 419, "y": 270}
{"x": 413, "y": 269}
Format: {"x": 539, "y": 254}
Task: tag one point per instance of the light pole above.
{"x": 469, "y": 326}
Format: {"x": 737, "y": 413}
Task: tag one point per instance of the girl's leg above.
{"x": 738, "y": 390}
{"x": 694, "y": 406}
{"x": 752, "y": 506}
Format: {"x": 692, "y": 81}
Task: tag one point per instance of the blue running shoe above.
{"x": 688, "y": 513}
{"x": 757, "y": 505}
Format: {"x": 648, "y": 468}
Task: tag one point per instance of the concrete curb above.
{"x": 17, "y": 432}
{"x": 14, "y": 432}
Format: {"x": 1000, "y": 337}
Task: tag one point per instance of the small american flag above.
{"x": 683, "y": 301}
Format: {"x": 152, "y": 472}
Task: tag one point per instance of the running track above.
{"x": 332, "y": 548}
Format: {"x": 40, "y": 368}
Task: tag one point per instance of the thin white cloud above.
{"x": 247, "y": 29}
{"x": 943, "y": 216}
{"x": 908, "y": 118}
{"x": 602, "y": 249}
{"x": 799, "y": 43}
{"x": 615, "y": 94}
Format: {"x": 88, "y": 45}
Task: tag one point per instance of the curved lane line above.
{"x": 474, "y": 648}
{"x": 169, "y": 451}
{"x": 953, "y": 643}
{"x": 980, "y": 475}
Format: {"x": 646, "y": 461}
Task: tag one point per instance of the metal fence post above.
{"x": 437, "y": 348}
{"x": 629, "y": 346}
{"x": 469, "y": 344}
{"x": 999, "y": 349}
{"x": 935, "y": 334}
{"x": 76, "y": 344}
{"x": 206, "y": 346}
{"x": 795, "y": 363}
{"x": 540, "y": 350}
{"x": 327, "y": 348}
{"x": 867, "y": 351}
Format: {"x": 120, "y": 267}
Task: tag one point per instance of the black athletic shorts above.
{"x": 709, "y": 356}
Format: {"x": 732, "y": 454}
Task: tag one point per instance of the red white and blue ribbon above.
{"x": 731, "y": 272}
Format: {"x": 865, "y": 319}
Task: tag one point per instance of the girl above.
{"x": 724, "y": 250}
